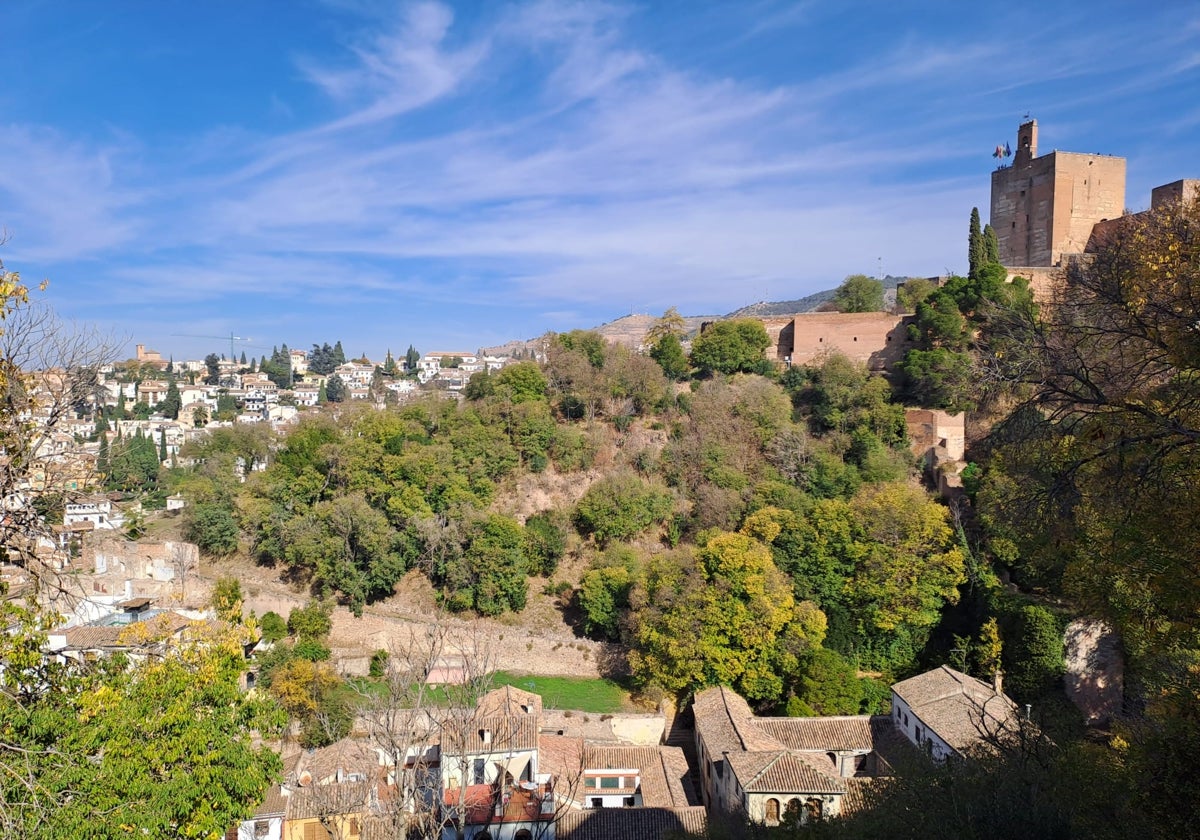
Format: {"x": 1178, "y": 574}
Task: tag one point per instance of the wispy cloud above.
{"x": 543, "y": 156}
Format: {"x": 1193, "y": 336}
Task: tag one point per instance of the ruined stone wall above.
{"x": 877, "y": 339}
{"x": 112, "y": 555}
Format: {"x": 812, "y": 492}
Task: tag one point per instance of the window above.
{"x": 772, "y": 812}
{"x": 479, "y": 767}
{"x": 313, "y": 830}
{"x": 262, "y": 828}
{"x": 813, "y": 808}
{"x": 597, "y": 802}
{"x": 629, "y": 801}
{"x": 610, "y": 782}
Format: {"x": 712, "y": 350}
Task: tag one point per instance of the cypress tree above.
{"x": 976, "y": 253}
{"x": 243, "y": 358}
{"x": 102, "y": 458}
{"x": 162, "y": 446}
{"x": 991, "y": 245}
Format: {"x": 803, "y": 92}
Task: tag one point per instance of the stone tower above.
{"x": 1044, "y": 207}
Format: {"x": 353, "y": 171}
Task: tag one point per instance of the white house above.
{"x": 949, "y": 713}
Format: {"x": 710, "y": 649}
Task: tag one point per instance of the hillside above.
{"x": 630, "y": 330}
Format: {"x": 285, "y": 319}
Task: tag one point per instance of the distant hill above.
{"x": 772, "y": 309}
{"x": 631, "y": 330}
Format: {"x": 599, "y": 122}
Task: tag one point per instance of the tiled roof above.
{"x": 959, "y": 709}
{"x": 631, "y": 823}
{"x": 274, "y": 804}
{"x": 504, "y": 733}
{"x": 662, "y": 770}
{"x": 821, "y": 734}
{"x": 349, "y": 755}
{"x": 782, "y": 772}
{"x": 89, "y": 636}
{"x": 859, "y": 792}
{"x": 509, "y": 700}
{"x": 726, "y": 723}
{"x": 324, "y": 800}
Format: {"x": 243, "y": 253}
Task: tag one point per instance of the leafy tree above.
{"x": 621, "y": 506}
{"x": 490, "y": 574}
{"x": 859, "y": 293}
{"x": 1033, "y": 660}
{"x": 348, "y": 547}
{"x": 668, "y": 352}
{"x": 312, "y": 621}
{"x": 939, "y": 378}
{"x": 588, "y": 342}
{"x": 227, "y": 407}
{"x": 828, "y": 685}
{"x": 724, "y": 615}
{"x": 519, "y": 383}
{"x": 546, "y": 541}
{"x": 914, "y": 290}
{"x": 134, "y": 464}
{"x": 211, "y": 526}
{"x": 604, "y": 599}
{"x": 153, "y": 764}
{"x": 671, "y": 323}
{"x": 732, "y": 347}
{"x": 273, "y": 627}
{"x": 335, "y": 389}
{"x": 911, "y": 565}
{"x": 227, "y": 600}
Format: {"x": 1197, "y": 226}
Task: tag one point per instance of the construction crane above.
{"x": 232, "y": 338}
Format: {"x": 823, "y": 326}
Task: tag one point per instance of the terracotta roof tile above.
{"x": 858, "y": 732}
{"x": 659, "y": 768}
{"x": 631, "y": 823}
{"x": 782, "y": 772}
{"x": 959, "y": 709}
{"x": 725, "y": 722}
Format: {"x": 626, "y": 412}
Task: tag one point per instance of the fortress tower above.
{"x": 1044, "y": 207}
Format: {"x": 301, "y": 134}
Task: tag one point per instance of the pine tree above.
{"x": 339, "y": 355}
{"x": 976, "y": 252}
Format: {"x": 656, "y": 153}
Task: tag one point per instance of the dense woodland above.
{"x": 769, "y": 530}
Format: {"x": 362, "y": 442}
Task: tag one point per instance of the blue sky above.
{"x": 456, "y": 175}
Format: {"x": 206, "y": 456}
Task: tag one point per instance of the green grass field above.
{"x": 582, "y": 693}
{"x": 599, "y": 696}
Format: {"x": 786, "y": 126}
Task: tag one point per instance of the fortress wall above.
{"x": 1088, "y": 189}
{"x": 877, "y": 339}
